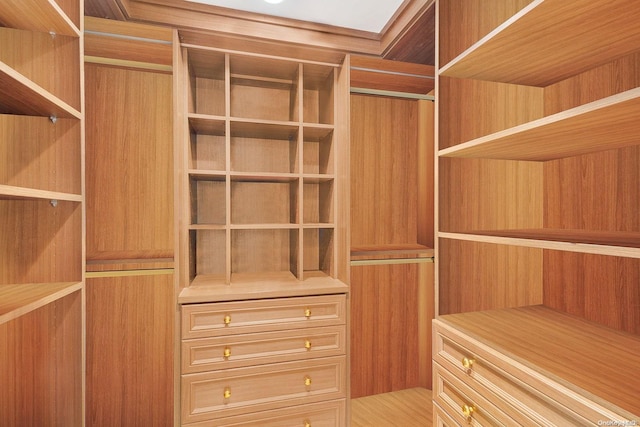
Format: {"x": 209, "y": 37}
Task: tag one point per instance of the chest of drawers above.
{"x": 265, "y": 362}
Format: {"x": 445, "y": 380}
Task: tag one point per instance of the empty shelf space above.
{"x": 207, "y": 124}
{"x": 623, "y": 244}
{"x": 39, "y": 15}
{"x": 608, "y": 123}
{"x": 548, "y": 41}
{"x": 19, "y": 95}
{"x": 19, "y": 299}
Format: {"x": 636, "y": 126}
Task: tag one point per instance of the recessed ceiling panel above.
{"x": 365, "y": 15}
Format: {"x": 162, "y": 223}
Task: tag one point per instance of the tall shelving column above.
{"x": 538, "y": 191}
{"x": 41, "y": 213}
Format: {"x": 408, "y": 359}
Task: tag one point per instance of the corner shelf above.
{"x": 604, "y": 124}
{"x": 38, "y": 15}
{"x": 548, "y": 41}
{"x": 18, "y": 300}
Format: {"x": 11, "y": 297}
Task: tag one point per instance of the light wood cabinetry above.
{"x": 391, "y": 156}
{"x": 538, "y": 195}
{"x": 131, "y": 294}
{"x": 262, "y": 231}
{"x": 41, "y": 213}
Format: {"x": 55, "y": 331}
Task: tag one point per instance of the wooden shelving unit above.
{"x": 261, "y": 171}
{"x": 41, "y": 212}
{"x": 538, "y": 188}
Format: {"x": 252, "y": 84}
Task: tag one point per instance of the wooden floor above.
{"x": 410, "y": 407}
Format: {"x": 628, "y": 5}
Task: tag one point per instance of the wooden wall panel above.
{"x": 384, "y": 329}
{"x": 482, "y": 276}
{"x": 41, "y": 366}
{"x": 384, "y": 170}
{"x": 130, "y": 330}
{"x": 129, "y": 183}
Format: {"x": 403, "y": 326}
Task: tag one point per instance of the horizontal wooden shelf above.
{"x": 37, "y": 15}
{"x": 217, "y": 175}
{"x": 212, "y": 288}
{"x": 543, "y": 340}
{"x": 11, "y": 192}
{"x": 409, "y": 248}
{"x": 317, "y": 131}
{"x": 604, "y": 124}
{"x": 289, "y": 226}
{"x": 207, "y": 175}
{"x": 19, "y": 95}
{"x": 270, "y": 129}
{"x": 549, "y": 40}
{"x": 207, "y": 124}
{"x": 19, "y": 299}
{"x": 621, "y": 244}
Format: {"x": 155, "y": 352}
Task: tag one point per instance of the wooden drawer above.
{"x": 324, "y": 414}
{"x": 217, "y": 319}
{"x": 521, "y": 392}
{"x": 456, "y": 398}
{"x": 231, "y": 392}
{"x": 441, "y": 418}
{"x": 234, "y": 351}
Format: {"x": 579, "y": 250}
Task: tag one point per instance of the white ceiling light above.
{"x": 273, "y": 1}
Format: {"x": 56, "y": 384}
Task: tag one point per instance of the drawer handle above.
{"x": 467, "y": 363}
{"x": 467, "y": 411}
{"x": 307, "y": 345}
{"x": 227, "y": 320}
{"x": 307, "y": 381}
{"x": 307, "y": 423}
{"x": 227, "y": 353}
{"x": 307, "y": 313}
{"x": 227, "y": 392}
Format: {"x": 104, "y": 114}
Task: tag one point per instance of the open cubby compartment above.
{"x": 208, "y": 256}
{"x": 257, "y": 200}
{"x": 208, "y": 143}
{"x": 206, "y": 82}
{"x": 264, "y": 88}
{"x": 264, "y": 250}
{"x": 318, "y": 150}
{"x": 208, "y": 199}
{"x": 38, "y": 153}
{"x": 318, "y": 201}
{"x": 264, "y": 147}
{"x": 318, "y": 252}
{"x": 52, "y": 62}
{"x": 40, "y": 241}
{"x": 318, "y": 94}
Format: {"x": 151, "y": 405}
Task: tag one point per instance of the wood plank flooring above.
{"x": 411, "y": 407}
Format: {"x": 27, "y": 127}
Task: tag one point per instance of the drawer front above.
{"x": 463, "y": 404}
{"x": 241, "y": 317}
{"x": 441, "y": 418}
{"x": 324, "y": 414}
{"x": 231, "y": 392}
{"x": 525, "y": 395}
{"x": 234, "y": 351}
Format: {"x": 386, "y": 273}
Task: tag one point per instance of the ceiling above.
{"x": 401, "y": 30}
{"x": 364, "y": 15}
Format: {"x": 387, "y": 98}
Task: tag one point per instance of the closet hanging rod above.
{"x": 391, "y": 93}
{"x": 420, "y": 260}
{"x": 397, "y": 73}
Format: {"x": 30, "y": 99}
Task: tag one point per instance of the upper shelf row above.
{"x": 257, "y": 88}
{"x": 49, "y": 16}
{"x": 544, "y": 42}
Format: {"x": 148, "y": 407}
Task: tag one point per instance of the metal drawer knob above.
{"x": 227, "y": 353}
{"x": 467, "y": 411}
{"x": 307, "y": 381}
{"x": 307, "y": 313}
{"x": 227, "y": 392}
{"x": 227, "y": 319}
{"x": 307, "y": 423}
{"x": 307, "y": 345}
{"x": 467, "y": 363}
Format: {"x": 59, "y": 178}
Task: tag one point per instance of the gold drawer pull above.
{"x": 227, "y": 320}
{"x": 227, "y": 392}
{"x": 227, "y": 353}
{"x": 467, "y": 363}
{"x": 307, "y": 313}
{"x": 307, "y": 345}
{"x": 307, "y": 423}
{"x": 467, "y": 411}
{"x": 307, "y": 381}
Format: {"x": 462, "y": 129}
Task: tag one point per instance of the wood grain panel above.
{"x": 489, "y": 194}
{"x": 599, "y": 288}
{"x": 129, "y": 163}
{"x": 41, "y": 366}
{"x": 384, "y": 144}
{"x": 385, "y": 344}
{"x": 470, "y": 109}
{"x": 482, "y": 276}
{"x": 130, "y": 336}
